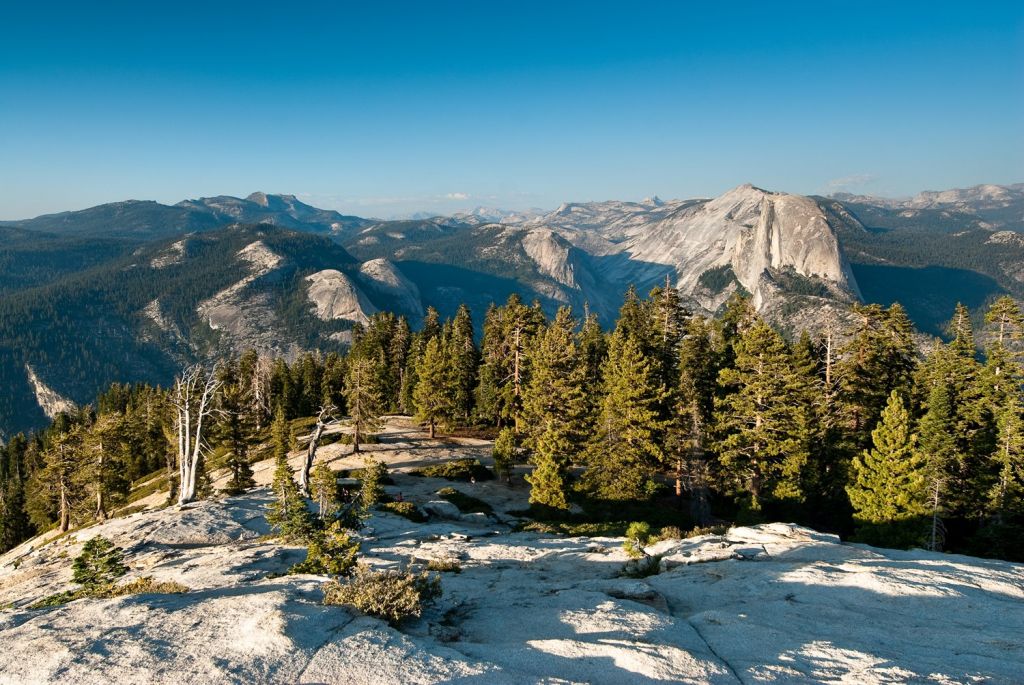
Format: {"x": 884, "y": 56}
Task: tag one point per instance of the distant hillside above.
{"x": 131, "y": 290}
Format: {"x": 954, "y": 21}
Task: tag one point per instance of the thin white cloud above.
{"x": 852, "y": 181}
{"x": 457, "y": 196}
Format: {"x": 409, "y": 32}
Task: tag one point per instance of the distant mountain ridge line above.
{"x": 145, "y": 287}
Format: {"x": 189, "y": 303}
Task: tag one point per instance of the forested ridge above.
{"x": 677, "y": 418}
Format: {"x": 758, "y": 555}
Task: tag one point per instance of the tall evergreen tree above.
{"x": 234, "y": 431}
{"x": 761, "y": 424}
{"x": 464, "y": 358}
{"x": 555, "y": 410}
{"x": 363, "y": 398}
{"x": 1006, "y": 495}
{"x": 880, "y": 357}
{"x": 434, "y": 396}
{"x": 287, "y": 513}
{"x": 504, "y": 369}
{"x": 628, "y": 450}
{"x": 53, "y": 494}
{"x": 14, "y": 522}
{"x": 689, "y": 429}
{"x": 889, "y": 484}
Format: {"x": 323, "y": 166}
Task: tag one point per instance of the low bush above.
{"x": 637, "y": 536}
{"x": 458, "y": 469}
{"x": 467, "y": 504}
{"x": 444, "y": 565}
{"x": 331, "y": 552}
{"x": 406, "y": 509}
{"x": 138, "y": 586}
{"x": 100, "y": 563}
{"x": 671, "y": 533}
{"x": 394, "y": 596}
{"x": 697, "y": 531}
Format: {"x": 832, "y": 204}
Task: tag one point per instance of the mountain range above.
{"x": 132, "y": 290}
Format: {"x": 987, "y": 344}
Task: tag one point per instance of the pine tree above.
{"x": 417, "y": 348}
{"x": 14, "y": 522}
{"x": 464, "y": 358}
{"x": 324, "y": 486}
{"x": 287, "y": 513}
{"x": 689, "y": 428}
{"x": 1006, "y": 494}
{"x": 939, "y": 449}
{"x": 374, "y": 475}
{"x": 100, "y": 474}
{"x": 668, "y": 321}
{"x": 504, "y": 371}
{"x": 100, "y": 563}
{"x": 761, "y": 424}
{"x": 504, "y": 453}
{"x": 362, "y": 397}
{"x": 628, "y": 450}
{"x": 889, "y": 488}
{"x": 235, "y": 433}
{"x": 953, "y": 377}
{"x": 434, "y": 397}
{"x": 554, "y": 410}
{"x": 880, "y": 357}
{"x": 52, "y": 492}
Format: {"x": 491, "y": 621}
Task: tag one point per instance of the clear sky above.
{"x": 383, "y": 109}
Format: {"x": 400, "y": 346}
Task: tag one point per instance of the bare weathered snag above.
{"x": 192, "y": 398}
{"x": 326, "y": 412}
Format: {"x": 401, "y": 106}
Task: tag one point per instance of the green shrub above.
{"x": 671, "y": 533}
{"x": 697, "y": 531}
{"x": 444, "y": 565}
{"x": 637, "y": 536}
{"x": 406, "y": 509}
{"x": 100, "y": 563}
{"x": 457, "y": 469}
{"x": 373, "y": 475}
{"x": 467, "y": 504}
{"x": 391, "y": 595}
{"x": 331, "y": 552}
{"x": 504, "y": 453}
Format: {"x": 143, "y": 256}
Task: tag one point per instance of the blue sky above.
{"x": 437, "y": 106}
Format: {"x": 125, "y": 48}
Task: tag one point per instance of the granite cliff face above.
{"x": 758, "y": 240}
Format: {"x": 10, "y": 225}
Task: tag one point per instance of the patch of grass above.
{"x": 463, "y": 470}
{"x": 138, "y": 586}
{"x": 697, "y": 531}
{"x": 394, "y": 596}
{"x": 467, "y": 504}
{"x": 405, "y": 508}
{"x": 444, "y": 565}
{"x": 595, "y": 529}
{"x": 152, "y": 485}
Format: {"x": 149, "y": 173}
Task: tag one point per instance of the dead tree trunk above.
{"x": 314, "y": 443}
{"x": 101, "y": 510}
{"x": 193, "y": 402}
